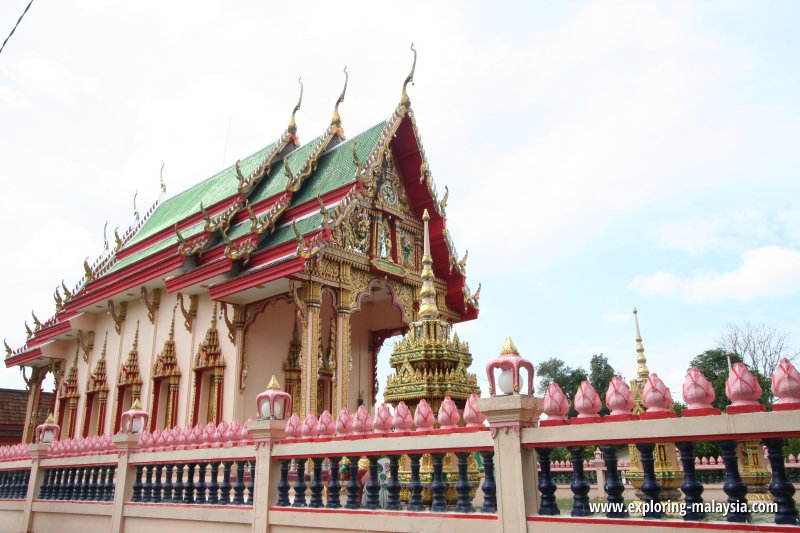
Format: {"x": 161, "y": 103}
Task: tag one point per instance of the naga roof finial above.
{"x": 105, "y": 236}
{"x": 161, "y": 178}
{"x": 292, "y": 128}
{"x": 405, "y": 100}
{"x": 336, "y": 120}
{"x": 427, "y": 307}
{"x": 135, "y": 210}
{"x": 642, "y": 372}
{"x": 87, "y": 270}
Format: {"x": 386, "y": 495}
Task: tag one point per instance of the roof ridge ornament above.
{"x": 292, "y": 128}
{"x": 336, "y": 120}
{"x": 642, "y": 372}
{"x": 405, "y": 100}
{"x": 161, "y": 178}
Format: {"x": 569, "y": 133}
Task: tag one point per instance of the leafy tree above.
{"x": 555, "y": 370}
{"x": 600, "y": 374}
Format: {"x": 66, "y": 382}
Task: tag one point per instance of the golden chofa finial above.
{"x": 642, "y": 372}
{"x": 273, "y": 384}
{"x": 427, "y": 306}
{"x": 136, "y": 404}
{"x": 405, "y": 100}
{"x": 292, "y": 124}
{"x": 336, "y": 120}
{"x": 509, "y": 350}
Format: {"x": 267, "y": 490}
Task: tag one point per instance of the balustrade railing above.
{"x": 201, "y": 482}
{"x": 310, "y": 478}
{"x": 14, "y": 484}
{"x": 83, "y": 483}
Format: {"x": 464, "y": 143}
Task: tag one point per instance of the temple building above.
{"x": 298, "y": 260}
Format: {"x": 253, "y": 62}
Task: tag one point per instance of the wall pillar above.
{"x": 38, "y": 452}
{"x": 265, "y": 434}
{"x": 125, "y": 443}
{"x": 310, "y": 341}
{"x": 32, "y": 407}
{"x": 515, "y": 467}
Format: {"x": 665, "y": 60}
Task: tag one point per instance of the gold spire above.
{"x": 50, "y": 419}
{"x": 642, "y": 372}
{"x": 292, "y": 124}
{"x": 136, "y": 404}
{"x": 336, "y": 120}
{"x": 273, "y": 384}
{"x": 509, "y": 349}
{"x": 427, "y": 308}
{"x": 405, "y": 100}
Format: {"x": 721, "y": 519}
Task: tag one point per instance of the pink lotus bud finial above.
{"x": 555, "y": 404}
{"x": 742, "y": 387}
{"x": 363, "y": 423}
{"x": 310, "y": 426}
{"x": 587, "y": 401}
{"x": 619, "y": 398}
{"x": 383, "y": 419}
{"x": 293, "y": 427}
{"x": 472, "y": 416}
{"x": 402, "y": 417}
{"x": 656, "y": 395}
{"x": 344, "y": 422}
{"x": 423, "y": 416}
{"x": 786, "y": 383}
{"x": 448, "y": 414}
{"x": 325, "y": 425}
{"x": 698, "y": 393}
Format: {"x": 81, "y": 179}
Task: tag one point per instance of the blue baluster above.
{"x": 300, "y": 484}
{"x": 353, "y": 485}
{"x": 393, "y": 485}
{"x": 547, "y": 488}
{"x": 438, "y": 487}
{"x": 614, "y": 487}
{"x": 283, "y": 485}
{"x": 489, "y": 486}
{"x": 580, "y": 487}
{"x": 238, "y": 489}
{"x": 415, "y": 485}
{"x": 334, "y": 487}
{"x": 316, "y": 483}
{"x": 736, "y": 490}
{"x": 692, "y": 489}
{"x": 780, "y": 487}
{"x": 213, "y": 487}
{"x": 225, "y": 490}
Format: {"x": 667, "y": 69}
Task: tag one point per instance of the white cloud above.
{"x": 767, "y": 272}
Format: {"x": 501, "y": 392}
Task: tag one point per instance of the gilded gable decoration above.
{"x": 97, "y": 380}
{"x": 129, "y": 373}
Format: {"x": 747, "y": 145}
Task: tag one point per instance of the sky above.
{"x": 599, "y": 155}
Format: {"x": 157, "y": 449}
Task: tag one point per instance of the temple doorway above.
{"x": 377, "y": 318}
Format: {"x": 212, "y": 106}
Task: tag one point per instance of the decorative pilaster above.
{"x": 313, "y": 299}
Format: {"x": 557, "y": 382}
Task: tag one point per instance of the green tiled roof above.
{"x": 210, "y": 191}
{"x": 335, "y": 169}
{"x": 277, "y": 179}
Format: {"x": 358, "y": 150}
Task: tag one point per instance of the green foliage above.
{"x": 677, "y": 407}
{"x": 792, "y": 446}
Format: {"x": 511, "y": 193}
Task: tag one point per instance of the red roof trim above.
{"x": 199, "y": 274}
{"x": 253, "y": 278}
{"x": 25, "y": 357}
{"x": 142, "y": 276}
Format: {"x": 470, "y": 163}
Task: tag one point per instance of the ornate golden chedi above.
{"x": 667, "y": 466}
{"x": 428, "y": 363}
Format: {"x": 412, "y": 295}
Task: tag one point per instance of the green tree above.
{"x": 555, "y": 370}
{"x": 600, "y": 374}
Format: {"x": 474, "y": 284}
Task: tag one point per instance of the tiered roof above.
{"x": 260, "y": 220}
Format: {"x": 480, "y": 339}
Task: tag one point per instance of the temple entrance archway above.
{"x": 378, "y": 315}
